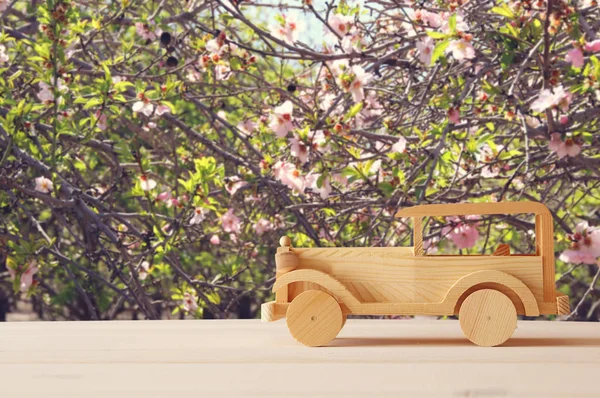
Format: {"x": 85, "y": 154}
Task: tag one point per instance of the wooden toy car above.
{"x": 317, "y": 288}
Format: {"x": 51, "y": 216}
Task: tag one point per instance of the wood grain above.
{"x": 314, "y": 318}
{"x": 394, "y": 275}
{"x": 487, "y": 317}
{"x": 375, "y": 358}
{"x": 404, "y": 281}
{"x": 465, "y": 209}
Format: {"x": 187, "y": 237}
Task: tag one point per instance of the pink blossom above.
{"x": 289, "y": 30}
{"x": 161, "y": 109}
{"x": 555, "y": 142}
{"x": 545, "y": 100}
{"x": 488, "y": 156}
{"x": 463, "y": 235}
{"x": 144, "y": 107}
{"x": 213, "y": 45}
{"x": 585, "y": 245}
{"x": 564, "y": 119}
{"x": 593, "y": 46}
{"x": 490, "y": 171}
{"x": 146, "y": 183}
{"x": 215, "y": 240}
{"x": 26, "y": 275}
{"x": 231, "y": 223}
{"x": 428, "y": 18}
{"x": 233, "y": 184}
{"x": 564, "y": 99}
{"x": 3, "y": 55}
{"x": 430, "y": 245}
{"x": 353, "y": 43}
{"x": 289, "y": 175}
{"x": 247, "y": 126}
{"x": 46, "y": 93}
{"x": 575, "y": 57}
{"x": 317, "y": 140}
{"x": 341, "y": 24}
{"x": 222, "y": 72}
{"x": 199, "y": 215}
{"x": 518, "y": 183}
{"x": 326, "y": 101}
{"x": 262, "y": 226}
{"x": 562, "y": 149}
{"x": 399, "y": 146}
{"x": 281, "y": 119}
{"x": 461, "y": 24}
{"x": 143, "y": 270}
{"x": 102, "y": 122}
{"x": 43, "y": 184}
{"x": 164, "y": 196}
{"x": 425, "y": 47}
{"x": 354, "y": 82}
{"x": 193, "y": 74}
{"x": 454, "y": 115}
{"x": 549, "y": 99}
{"x": 338, "y": 67}
{"x": 324, "y": 190}
{"x": 372, "y": 102}
{"x": 461, "y": 50}
{"x": 340, "y": 179}
{"x": 149, "y": 126}
{"x": 370, "y": 111}
{"x": 299, "y": 149}
{"x": 144, "y": 30}
{"x": 190, "y": 302}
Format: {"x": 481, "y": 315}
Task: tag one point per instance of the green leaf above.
{"x": 227, "y": 18}
{"x": 507, "y": 59}
{"x": 504, "y": 10}
{"x": 439, "y": 50}
{"x": 452, "y": 23}
{"x": 107, "y": 75}
{"x": 235, "y": 63}
{"x": 92, "y": 103}
{"x": 353, "y": 111}
{"x": 489, "y": 88}
{"x": 387, "y": 188}
{"x": 437, "y": 35}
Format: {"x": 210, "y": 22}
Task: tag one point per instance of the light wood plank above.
{"x": 247, "y": 358}
{"x": 465, "y": 209}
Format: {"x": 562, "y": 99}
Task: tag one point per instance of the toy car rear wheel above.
{"x": 314, "y": 318}
{"x": 488, "y": 317}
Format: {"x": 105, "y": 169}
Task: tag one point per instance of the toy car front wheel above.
{"x": 314, "y": 318}
{"x": 488, "y": 317}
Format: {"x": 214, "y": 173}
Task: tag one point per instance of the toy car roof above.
{"x": 463, "y": 209}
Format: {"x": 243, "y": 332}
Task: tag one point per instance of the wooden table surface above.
{"x": 412, "y": 358}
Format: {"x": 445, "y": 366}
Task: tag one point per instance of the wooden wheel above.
{"x": 314, "y": 318}
{"x": 487, "y": 317}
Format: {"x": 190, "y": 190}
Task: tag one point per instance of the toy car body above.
{"x": 317, "y": 288}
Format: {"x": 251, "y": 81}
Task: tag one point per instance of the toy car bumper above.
{"x": 272, "y": 311}
{"x": 563, "y": 306}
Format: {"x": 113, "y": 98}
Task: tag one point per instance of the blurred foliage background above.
{"x": 152, "y": 153}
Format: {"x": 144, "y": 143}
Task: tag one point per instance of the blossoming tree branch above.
{"x": 152, "y": 153}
